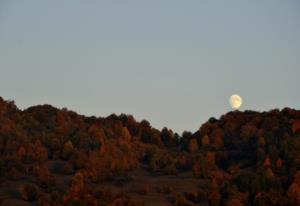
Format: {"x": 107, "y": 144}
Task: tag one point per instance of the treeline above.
{"x": 243, "y": 158}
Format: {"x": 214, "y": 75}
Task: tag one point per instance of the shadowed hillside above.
{"x": 51, "y": 156}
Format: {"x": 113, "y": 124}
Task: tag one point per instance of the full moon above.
{"x": 235, "y": 101}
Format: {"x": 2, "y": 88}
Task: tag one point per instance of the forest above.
{"x": 56, "y": 157}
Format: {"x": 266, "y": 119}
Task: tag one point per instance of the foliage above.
{"x": 243, "y": 158}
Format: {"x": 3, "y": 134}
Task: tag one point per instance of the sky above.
{"x": 172, "y": 62}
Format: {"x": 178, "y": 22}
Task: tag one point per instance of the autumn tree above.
{"x": 77, "y": 188}
{"x": 193, "y": 145}
{"x": 294, "y": 193}
{"x": 205, "y": 140}
{"x": 41, "y": 152}
{"x": 168, "y": 137}
{"x": 217, "y": 137}
{"x": 67, "y": 150}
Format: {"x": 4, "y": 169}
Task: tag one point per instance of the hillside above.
{"x": 51, "y": 156}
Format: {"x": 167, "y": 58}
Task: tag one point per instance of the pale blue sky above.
{"x": 174, "y": 63}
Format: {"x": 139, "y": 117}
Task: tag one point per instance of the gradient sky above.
{"x": 174, "y": 63}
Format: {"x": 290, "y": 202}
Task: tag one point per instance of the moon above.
{"x": 235, "y": 101}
